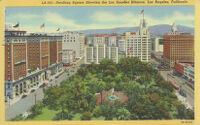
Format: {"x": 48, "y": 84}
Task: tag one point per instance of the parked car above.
{"x": 183, "y": 93}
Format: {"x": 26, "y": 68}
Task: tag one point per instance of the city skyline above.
{"x": 70, "y": 18}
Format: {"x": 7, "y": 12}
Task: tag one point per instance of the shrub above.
{"x": 97, "y": 111}
{"x": 36, "y": 109}
{"x": 63, "y": 115}
{"x": 18, "y": 118}
{"x": 86, "y": 116}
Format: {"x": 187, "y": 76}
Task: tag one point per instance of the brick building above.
{"x": 178, "y": 46}
{"x": 186, "y": 70}
{"x": 15, "y": 51}
{"x": 27, "y": 60}
{"x": 55, "y": 50}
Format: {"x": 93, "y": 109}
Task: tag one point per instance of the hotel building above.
{"x": 178, "y": 47}
{"x": 27, "y": 60}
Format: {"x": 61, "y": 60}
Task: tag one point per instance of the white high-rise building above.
{"x": 139, "y": 44}
{"x": 98, "y": 52}
{"x": 157, "y": 44}
{"x": 68, "y": 56}
{"x": 122, "y": 45}
{"x": 99, "y": 39}
{"x": 75, "y": 42}
{"x": 112, "y": 40}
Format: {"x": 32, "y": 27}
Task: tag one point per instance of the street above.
{"x": 168, "y": 75}
{"x": 25, "y": 104}
{"x": 189, "y": 92}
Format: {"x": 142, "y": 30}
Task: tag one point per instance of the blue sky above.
{"x": 81, "y": 18}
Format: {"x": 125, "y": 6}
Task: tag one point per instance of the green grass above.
{"x": 46, "y": 115}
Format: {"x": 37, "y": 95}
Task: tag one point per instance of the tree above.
{"x": 97, "y": 111}
{"x": 52, "y": 96}
{"x": 110, "y": 70}
{"x": 107, "y": 111}
{"x": 123, "y": 114}
{"x": 36, "y": 109}
{"x": 83, "y": 71}
{"x": 62, "y": 115}
{"x": 101, "y": 86}
{"x": 86, "y": 116}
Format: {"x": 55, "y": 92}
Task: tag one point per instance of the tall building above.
{"x": 157, "y": 44}
{"x": 99, "y": 39}
{"x": 112, "y": 40}
{"x": 82, "y": 44}
{"x": 122, "y": 44}
{"x": 55, "y": 50}
{"x": 74, "y": 41}
{"x": 15, "y": 53}
{"x": 68, "y": 57}
{"x": 178, "y": 46}
{"x": 27, "y": 61}
{"x": 97, "y": 53}
{"x": 139, "y": 44}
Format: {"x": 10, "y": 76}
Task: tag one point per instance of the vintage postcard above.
{"x": 100, "y": 62}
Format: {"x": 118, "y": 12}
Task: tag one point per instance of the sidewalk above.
{"x": 10, "y": 102}
{"x": 184, "y": 101}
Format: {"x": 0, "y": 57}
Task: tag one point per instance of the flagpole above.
{"x": 44, "y": 28}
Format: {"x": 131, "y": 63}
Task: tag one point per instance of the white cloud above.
{"x": 58, "y": 19}
{"x": 102, "y": 19}
{"x": 26, "y": 16}
{"x": 132, "y": 19}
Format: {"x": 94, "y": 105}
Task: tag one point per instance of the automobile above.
{"x": 24, "y": 95}
{"x": 183, "y": 93}
{"x": 33, "y": 90}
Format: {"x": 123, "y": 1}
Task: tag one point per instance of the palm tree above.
{"x": 101, "y": 86}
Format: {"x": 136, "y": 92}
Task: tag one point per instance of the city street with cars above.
{"x": 35, "y": 95}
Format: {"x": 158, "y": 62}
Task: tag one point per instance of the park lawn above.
{"x": 45, "y": 115}
{"x": 48, "y": 115}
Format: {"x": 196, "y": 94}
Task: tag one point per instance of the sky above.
{"x": 82, "y": 18}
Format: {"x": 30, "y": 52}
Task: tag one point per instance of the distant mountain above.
{"x": 156, "y": 30}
